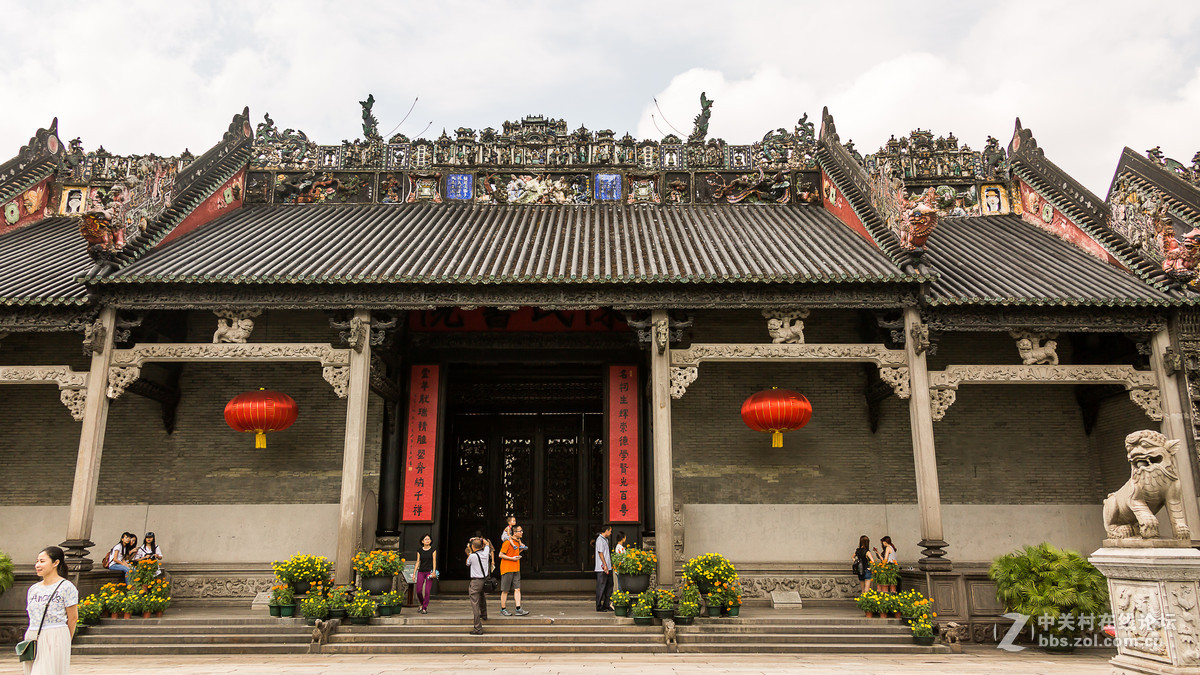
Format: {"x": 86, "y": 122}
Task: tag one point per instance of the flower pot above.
{"x": 287, "y": 610}
{"x": 633, "y": 583}
{"x": 923, "y": 640}
{"x": 274, "y": 610}
{"x": 735, "y": 610}
{"x": 375, "y": 585}
{"x": 621, "y": 610}
{"x": 685, "y": 620}
{"x": 714, "y": 610}
{"x": 147, "y": 614}
{"x": 396, "y": 609}
{"x": 385, "y": 610}
{"x": 663, "y": 613}
{"x": 643, "y": 620}
{"x": 158, "y": 615}
{"x": 300, "y": 587}
{"x": 870, "y": 615}
{"x": 115, "y": 615}
{"x": 360, "y": 620}
{"x": 312, "y": 620}
{"x": 127, "y": 615}
{"x": 337, "y": 613}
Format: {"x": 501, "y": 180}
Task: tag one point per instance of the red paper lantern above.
{"x": 776, "y": 411}
{"x": 260, "y": 411}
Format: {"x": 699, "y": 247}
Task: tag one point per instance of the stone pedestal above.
{"x": 1155, "y": 596}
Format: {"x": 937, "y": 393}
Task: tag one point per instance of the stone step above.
{"x": 814, "y": 648}
{"x": 460, "y": 636}
{"x": 493, "y": 644}
{"x": 195, "y": 638}
{"x": 177, "y": 649}
{"x": 831, "y": 638}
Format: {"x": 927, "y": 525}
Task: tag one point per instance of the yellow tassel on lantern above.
{"x": 776, "y": 439}
{"x": 260, "y": 439}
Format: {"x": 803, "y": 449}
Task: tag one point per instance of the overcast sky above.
{"x": 1088, "y": 77}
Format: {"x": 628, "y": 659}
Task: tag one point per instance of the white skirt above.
{"x": 53, "y": 651}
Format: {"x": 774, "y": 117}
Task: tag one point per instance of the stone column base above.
{"x": 1155, "y": 596}
{"x": 75, "y": 552}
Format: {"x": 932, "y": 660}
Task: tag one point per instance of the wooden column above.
{"x": 1174, "y": 426}
{"x": 660, "y": 425}
{"x": 91, "y": 445}
{"x": 929, "y": 501}
{"x": 358, "y": 390}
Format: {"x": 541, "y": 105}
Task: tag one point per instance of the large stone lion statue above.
{"x": 1154, "y": 482}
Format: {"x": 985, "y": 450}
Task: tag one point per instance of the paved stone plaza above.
{"x": 973, "y": 661}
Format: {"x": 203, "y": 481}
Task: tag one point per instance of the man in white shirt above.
{"x": 479, "y": 562}
{"x": 604, "y": 579}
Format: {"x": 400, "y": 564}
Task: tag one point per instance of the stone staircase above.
{"x": 422, "y": 634}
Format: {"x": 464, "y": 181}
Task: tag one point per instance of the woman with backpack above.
{"x": 861, "y": 562}
{"x": 120, "y": 558}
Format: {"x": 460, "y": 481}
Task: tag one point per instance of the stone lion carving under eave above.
{"x": 234, "y": 326}
{"x": 1140, "y": 383}
{"x": 685, "y": 362}
{"x": 72, "y": 385}
{"x": 127, "y": 363}
{"x": 786, "y": 326}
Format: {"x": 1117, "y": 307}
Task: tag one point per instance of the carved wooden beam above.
{"x": 127, "y": 363}
{"x": 1140, "y": 384}
{"x": 893, "y": 368}
{"x": 72, "y": 385}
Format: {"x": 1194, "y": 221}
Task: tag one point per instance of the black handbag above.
{"x": 27, "y": 649}
{"x": 490, "y": 583}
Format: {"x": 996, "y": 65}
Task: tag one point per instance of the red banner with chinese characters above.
{"x": 623, "y": 444}
{"x": 420, "y": 449}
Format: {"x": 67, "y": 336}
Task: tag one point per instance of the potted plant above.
{"x": 689, "y": 605}
{"x": 156, "y": 605}
{"x": 113, "y": 597}
{"x": 621, "y": 601}
{"x": 390, "y": 603}
{"x": 889, "y": 605}
{"x": 633, "y": 569}
{"x": 1044, "y": 580}
{"x": 708, "y": 569}
{"x": 314, "y": 607}
{"x": 664, "y": 603}
{"x": 159, "y": 592}
{"x": 300, "y": 571}
{"x": 361, "y": 609}
{"x": 282, "y": 601}
{"x": 90, "y": 609}
{"x": 7, "y": 573}
{"x": 339, "y": 599}
{"x": 885, "y": 575}
{"x": 145, "y": 571}
{"x": 377, "y": 569}
{"x": 868, "y": 602}
{"x": 922, "y": 629}
{"x": 733, "y": 598}
{"x": 643, "y": 610}
{"x": 132, "y": 604}
{"x": 714, "y": 599}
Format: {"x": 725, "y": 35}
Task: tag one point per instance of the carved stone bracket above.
{"x": 93, "y": 338}
{"x": 786, "y": 326}
{"x": 662, "y": 335}
{"x": 380, "y": 384}
{"x": 127, "y": 363}
{"x": 381, "y": 330}
{"x": 897, "y": 378}
{"x": 646, "y": 331}
{"x": 681, "y": 378}
{"x": 353, "y": 332}
{"x": 1140, "y": 383}
{"x": 234, "y": 326}
{"x": 339, "y": 377}
{"x": 940, "y": 400}
{"x": 920, "y": 338}
{"x": 72, "y": 384}
{"x": 685, "y": 362}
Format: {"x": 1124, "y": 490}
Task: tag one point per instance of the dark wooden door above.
{"x": 547, "y": 469}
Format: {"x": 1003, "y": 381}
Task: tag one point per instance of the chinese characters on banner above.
{"x": 623, "y": 444}
{"x": 417, "y": 506}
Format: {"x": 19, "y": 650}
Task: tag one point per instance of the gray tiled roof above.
{"x": 1005, "y": 261}
{"x": 453, "y": 243}
{"x": 39, "y": 264}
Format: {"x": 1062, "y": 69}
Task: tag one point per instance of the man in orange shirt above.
{"x": 510, "y": 571}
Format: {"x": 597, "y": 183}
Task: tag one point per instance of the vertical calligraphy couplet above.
{"x": 623, "y": 438}
{"x": 420, "y": 448}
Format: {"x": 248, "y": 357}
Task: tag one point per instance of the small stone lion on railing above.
{"x": 1154, "y": 482}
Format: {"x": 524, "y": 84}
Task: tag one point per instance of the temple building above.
{"x": 562, "y": 325}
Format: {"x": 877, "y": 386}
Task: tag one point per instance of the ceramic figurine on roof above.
{"x": 289, "y": 149}
{"x": 918, "y": 219}
{"x": 370, "y": 125}
{"x": 700, "y": 131}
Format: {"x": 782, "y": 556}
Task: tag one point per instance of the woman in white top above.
{"x": 53, "y": 608}
{"x": 150, "y": 550}
{"x": 889, "y": 550}
{"x": 120, "y": 558}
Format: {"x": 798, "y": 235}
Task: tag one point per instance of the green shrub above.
{"x": 1044, "y": 580}
{"x": 6, "y": 572}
